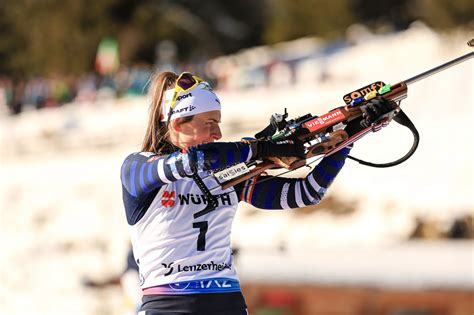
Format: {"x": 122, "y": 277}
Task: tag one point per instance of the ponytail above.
{"x": 157, "y": 131}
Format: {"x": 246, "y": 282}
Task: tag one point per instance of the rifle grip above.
{"x": 335, "y": 138}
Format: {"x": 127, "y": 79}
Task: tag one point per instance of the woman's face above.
{"x": 203, "y": 128}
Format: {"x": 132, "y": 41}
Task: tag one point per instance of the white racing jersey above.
{"x": 172, "y": 247}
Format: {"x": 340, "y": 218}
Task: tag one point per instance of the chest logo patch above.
{"x": 168, "y": 198}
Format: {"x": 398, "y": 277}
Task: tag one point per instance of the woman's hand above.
{"x": 263, "y": 149}
{"x": 288, "y": 162}
{"x": 375, "y": 109}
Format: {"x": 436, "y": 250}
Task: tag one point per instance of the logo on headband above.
{"x": 186, "y": 109}
{"x": 182, "y": 97}
{"x": 205, "y": 86}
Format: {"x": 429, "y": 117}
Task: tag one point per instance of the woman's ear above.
{"x": 175, "y": 125}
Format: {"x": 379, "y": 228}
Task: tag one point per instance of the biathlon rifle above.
{"x": 326, "y": 134}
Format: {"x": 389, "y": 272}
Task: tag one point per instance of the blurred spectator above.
{"x": 17, "y": 98}
{"x": 6, "y": 93}
{"x": 462, "y": 228}
{"x": 426, "y": 229}
{"x": 166, "y": 56}
{"x": 36, "y": 92}
{"x": 138, "y": 77}
{"x": 107, "y": 88}
{"x": 61, "y": 91}
{"x": 86, "y": 88}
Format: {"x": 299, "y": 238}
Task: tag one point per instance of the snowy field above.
{"x": 61, "y": 215}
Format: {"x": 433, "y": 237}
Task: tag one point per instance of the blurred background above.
{"x": 73, "y": 105}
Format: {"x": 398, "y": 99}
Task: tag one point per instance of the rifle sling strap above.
{"x": 403, "y": 120}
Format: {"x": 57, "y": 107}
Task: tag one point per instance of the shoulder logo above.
{"x": 153, "y": 158}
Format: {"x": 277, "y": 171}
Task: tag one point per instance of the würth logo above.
{"x": 168, "y": 198}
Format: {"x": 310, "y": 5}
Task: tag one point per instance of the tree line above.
{"x": 50, "y": 37}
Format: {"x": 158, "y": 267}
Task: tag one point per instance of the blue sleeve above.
{"x": 145, "y": 172}
{"x": 286, "y": 193}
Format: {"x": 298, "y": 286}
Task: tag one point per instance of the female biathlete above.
{"x": 185, "y": 263}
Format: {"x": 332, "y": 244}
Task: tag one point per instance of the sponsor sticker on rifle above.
{"x": 231, "y": 172}
{"x": 324, "y": 120}
{"x": 349, "y": 97}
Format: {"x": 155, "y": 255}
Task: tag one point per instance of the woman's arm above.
{"x": 286, "y": 193}
{"x": 145, "y": 172}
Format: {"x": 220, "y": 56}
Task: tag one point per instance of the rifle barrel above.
{"x": 439, "y": 68}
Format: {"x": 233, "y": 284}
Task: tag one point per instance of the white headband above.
{"x": 199, "y": 99}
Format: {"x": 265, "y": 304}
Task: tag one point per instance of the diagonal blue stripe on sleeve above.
{"x": 133, "y": 167}
{"x": 141, "y": 175}
{"x": 151, "y": 167}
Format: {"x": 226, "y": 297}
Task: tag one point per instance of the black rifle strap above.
{"x": 209, "y": 197}
{"x": 403, "y": 120}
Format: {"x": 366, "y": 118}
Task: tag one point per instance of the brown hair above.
{"x": 157, "y": 131}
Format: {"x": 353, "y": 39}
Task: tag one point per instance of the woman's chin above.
{"x": 208, "y": 141}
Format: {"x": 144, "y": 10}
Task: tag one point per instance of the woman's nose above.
{"x": 216, "y": 133}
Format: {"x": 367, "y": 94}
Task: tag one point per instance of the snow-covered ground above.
{"x": 61, "y": 216}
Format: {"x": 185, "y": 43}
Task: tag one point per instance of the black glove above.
{"x": 269, "y": 148}
{"x": 375, "y": 109}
